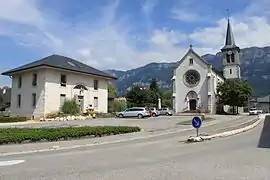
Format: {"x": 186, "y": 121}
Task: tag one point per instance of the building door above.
{"x": 192, "y": 104}
{"x": 81, "y": 103}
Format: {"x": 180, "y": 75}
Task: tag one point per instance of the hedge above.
{"x": 12, "y": 119}
{"x": 20, "y": 135}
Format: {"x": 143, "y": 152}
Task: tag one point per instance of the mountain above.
{"x": 255, "y": 68}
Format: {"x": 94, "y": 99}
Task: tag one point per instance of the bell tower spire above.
{"x": 230, "y": 55}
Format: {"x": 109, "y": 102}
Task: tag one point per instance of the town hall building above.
{"x": 195, "y": 80}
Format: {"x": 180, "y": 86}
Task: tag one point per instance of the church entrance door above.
{"x": 192, "y": 104}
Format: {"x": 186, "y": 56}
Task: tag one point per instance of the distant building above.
{"x": 195, "y": 80}
{"x": 262, "y": 103}
{"x": 41, "y": 87}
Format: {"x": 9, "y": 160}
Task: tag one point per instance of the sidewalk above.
{"x": 182, "y": 132}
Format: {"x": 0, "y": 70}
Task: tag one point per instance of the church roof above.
{"x": 200, "y": 58}
{"x": 229, "y": 42}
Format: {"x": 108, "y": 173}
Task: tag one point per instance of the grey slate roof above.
{"x": 229, "y": 42}
{"x": 61, "y": 62}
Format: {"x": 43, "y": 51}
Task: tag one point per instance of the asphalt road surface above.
{"x": 243, "y": 156}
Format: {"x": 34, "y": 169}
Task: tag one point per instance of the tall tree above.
{"x": 112, "y": 91}
{"x": 234, "y": 92}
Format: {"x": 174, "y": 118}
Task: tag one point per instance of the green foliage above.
{"x": 19, "y": 135}
{"x": 234, "y": 92}
{"x": 12, "y": 119}
{"x": 138, "y": 96}
{"x": 52, "y": 115}
{"x": 112, "y": 91}
{"x": 71, "y": 107}
{"x": 119, "y": 106}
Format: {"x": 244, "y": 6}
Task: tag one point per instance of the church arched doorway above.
{"x": 192, "y": 98}
{"x": 192, "y": 104}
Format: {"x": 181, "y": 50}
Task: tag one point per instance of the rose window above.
{"x": 192, "y": 77}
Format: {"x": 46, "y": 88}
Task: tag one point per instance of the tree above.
{"x": 167, "y": 99}
{"x": 112, "y": 91}
{"x": 234, "y": 92}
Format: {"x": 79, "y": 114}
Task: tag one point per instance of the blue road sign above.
{"x": 196, "y": 122}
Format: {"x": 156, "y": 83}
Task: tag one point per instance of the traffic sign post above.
{"x": 196, "y": 123}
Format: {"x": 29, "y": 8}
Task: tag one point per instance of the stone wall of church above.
{"x": 182, "y": 90}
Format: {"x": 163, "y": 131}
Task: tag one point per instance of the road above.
{"x": 243, "y": 156}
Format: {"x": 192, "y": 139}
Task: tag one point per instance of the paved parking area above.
{"x": 148, "y": 124}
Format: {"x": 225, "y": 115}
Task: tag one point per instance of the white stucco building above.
{"x": 195, "y": 80}
{"x": 41, "y": 87}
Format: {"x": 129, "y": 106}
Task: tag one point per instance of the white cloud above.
{"x": 109, "y": 43}
{"x": 186, "y": 15}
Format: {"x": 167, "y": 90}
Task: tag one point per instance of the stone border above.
{"x": 227, "y": 133}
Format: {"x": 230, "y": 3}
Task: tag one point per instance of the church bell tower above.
{"x": 230, "y": 56}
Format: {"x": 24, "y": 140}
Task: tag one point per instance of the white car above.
{"x": 254, "y": 111}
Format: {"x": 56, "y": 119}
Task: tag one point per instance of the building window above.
{"x": 19, "y": 101}
{"x": 34, "y": 100}
{"x": 228, "y": 58}
{"x": 95, "y": 102}
{"x": 20, "y": 82}
{"x": 34, "y": 80}
{"x": 63, "y": 80}
{"x": 230, "y": 71}
{"x": 190, "y": 61}
{"x": 62, "y": 99}
{"x": 95, "y": 84}
{"x": 232, "y": 57}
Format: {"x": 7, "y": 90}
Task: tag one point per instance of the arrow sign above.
{"x": 196, "y": 122}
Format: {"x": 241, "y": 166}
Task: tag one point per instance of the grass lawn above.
{"x": 189, "y": 122}
{"x": 21, "y": 135}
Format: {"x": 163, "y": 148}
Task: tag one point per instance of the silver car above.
{"x": 154, "y": 112}
{"x": 139, "y": 112}
{"x": 165, "y": 111}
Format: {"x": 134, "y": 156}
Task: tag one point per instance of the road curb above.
{"x": 228, "y": 133}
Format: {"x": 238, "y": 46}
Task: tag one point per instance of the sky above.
{"x": 125, "y": 34}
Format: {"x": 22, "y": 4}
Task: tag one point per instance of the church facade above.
{"x": 195, "y": 80}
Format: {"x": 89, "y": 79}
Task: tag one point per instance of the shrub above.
{"x": 12, "y": 119}
{"x": 52, "y": 115}
{"x": 19, "y": 135}
{"x": 71, "y": 107}
{"x": 119, "y": 106}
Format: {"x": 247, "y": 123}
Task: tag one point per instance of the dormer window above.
{"x": 191, "y": 61}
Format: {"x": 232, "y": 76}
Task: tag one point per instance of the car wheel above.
{"x": 140, "y": 116}
{"x": 154, "y": 114}
{"x": 121, "y": 115}
{"x": 167, "y": 114}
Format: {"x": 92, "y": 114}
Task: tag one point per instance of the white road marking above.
{"x": 10, "y": 163}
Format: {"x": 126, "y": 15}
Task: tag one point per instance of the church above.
{"x": 195, "y": 81}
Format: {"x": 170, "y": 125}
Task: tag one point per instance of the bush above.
{"x": 70, "y": 107}
{"x": 19, "y": 135}
{"x": 119, "y": 106}
{"x": 52, "y": 115}
{"x": 12, "y": 119}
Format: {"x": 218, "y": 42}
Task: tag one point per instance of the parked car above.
{"x": 165, "y": 111}
{"x": 139, "y": 112}
{"x": 254, "y": 111}
{"x": 154, "y": 112}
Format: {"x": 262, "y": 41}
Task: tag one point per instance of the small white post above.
{"x": 159, "y": 103}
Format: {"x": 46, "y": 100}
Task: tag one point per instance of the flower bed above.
{"x": 21, "y": 135}
{"x": 12, "y": 119}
